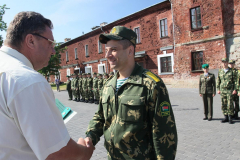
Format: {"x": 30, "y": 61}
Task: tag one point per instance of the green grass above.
{"x": 62, "y": 86}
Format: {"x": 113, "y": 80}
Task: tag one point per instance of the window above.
{"x": 137, "y": 31}
{"x": 66, "y": 56}
{"x": 86, "y": 50}
{"x": 196, "y": 21}
{"x": 99, "y": 47}
{"x": 163, "y": 28}
{"x": 197, "y": 60}
{"x": 68, "y": 72}
{"x": 165, "y": 64}
{"x": 76, "y": 56}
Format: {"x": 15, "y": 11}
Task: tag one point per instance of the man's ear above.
{"x": 30, "y": 41}
{"x": 131, "y": 50}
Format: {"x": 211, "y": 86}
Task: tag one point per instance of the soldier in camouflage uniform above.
{"x": 207, "y": 90}
{"x": 84, "y": 87}
{"x": 79, "y": 86}
{"x": 89, "y": 95}
{"x": 73, "y": 87}
{"x": 95, "y": 87}
{"x": 68, "y": 88}
{"x": 100, "y": 85}
{"x": 226, "y": 86}
{"x": 235, "y": 96}
{"x": 111, "y": 74}
{"x": 135, "y": 114}
{"x": 75, "y": 83}
{"x": 105, "y": 77}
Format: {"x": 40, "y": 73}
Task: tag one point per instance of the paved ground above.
{"x": 197, "y": 139}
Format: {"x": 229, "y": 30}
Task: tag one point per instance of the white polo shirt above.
{"x": 31, "y": 126}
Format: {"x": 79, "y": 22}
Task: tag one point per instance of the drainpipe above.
{"x": 173, "y": 28}
{"x": 105, "y": 48}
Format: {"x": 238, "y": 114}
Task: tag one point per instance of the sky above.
{"x": 71, "y": 18}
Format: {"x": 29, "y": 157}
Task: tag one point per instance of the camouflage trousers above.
{"x": 227, "y": 103}
{"x": 70, "y": 93}
{"x": 96, "y": 93}
{"x": 89, "y": 94}
{"x": 236, "y": 102}
{"x": 73, "y": 92}
{"x": 77, "y": 94}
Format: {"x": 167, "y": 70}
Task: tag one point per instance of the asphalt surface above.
{"x": 197, "y": 139}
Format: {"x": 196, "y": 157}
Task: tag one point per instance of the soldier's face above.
{"x": 231, "y": 65}
{"x": 116, "y": 55}
{"x": 225, "y": 64}
{"x": 205, "y": 70}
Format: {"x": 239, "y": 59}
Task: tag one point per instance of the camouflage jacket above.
{"x": 89, "y": 82}
{"x": 226, "y": 82}
{"x": 72, "y": 83}
{"x": 95, "y": 83}
{"x": 75, "y": 83}
{"x": 137, "y": 121}
{"x": 68, "y": 85}
{"x": 84, "y": 83}
{"x": 207, "y": 84}
{"x": 100, "y": 84}
{"x": 80, "y": 83}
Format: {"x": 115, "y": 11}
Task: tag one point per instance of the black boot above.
{"x": 78, "y": 100}
{"x": 236, "y": 116}
{"x": 86, "y": 101}
{"x": 230, "y": 119}
{"x": 97, "y": 102}
{"x": 225, "y": 119}
{"x": 81, "y": 100}
{"x": 91, "y": 101}
{"x": 75, "y": 99}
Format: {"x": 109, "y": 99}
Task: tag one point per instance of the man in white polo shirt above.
{"x": 31, "y": 127}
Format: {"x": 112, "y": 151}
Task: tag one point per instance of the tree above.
{"x": 54, "y": 63}
{"x": 3, "y": 25}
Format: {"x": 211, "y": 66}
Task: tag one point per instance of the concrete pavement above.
{"x": 197, "y": 139}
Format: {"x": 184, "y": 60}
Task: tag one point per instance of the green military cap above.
{"x": 68, "y": 76}
{"x": 224, "y": 59}
{"x": 119, "y": 33}
{"x": 231, "y": 62}
{"x": 88, "y": 73}
{"x": 205, "y": 66}
{"x": 99, "y": 74}
{"x": 105, "y": 74}
{"x": 94, "y": 73}
{"x": 111, "y": 73}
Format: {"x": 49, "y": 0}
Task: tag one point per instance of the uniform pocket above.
{"x": 105, "y": 104}
{"x": 132, "y": 108}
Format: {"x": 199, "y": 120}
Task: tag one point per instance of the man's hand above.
{"x": 219, "y": 92}
{"x": 213, "y": 95}
{"x": 88, "y": 142}
{"x": 88, "y": 147}
{"x": 234, "y": 92}
{"x": 200, "y": 95}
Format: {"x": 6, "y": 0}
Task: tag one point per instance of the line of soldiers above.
{"x": 228, "y": 86}
{"x": 85, "y": 88}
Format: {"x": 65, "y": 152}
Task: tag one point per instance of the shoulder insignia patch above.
{"x": 155, "y": 78}
{"x": 165, "y": 108}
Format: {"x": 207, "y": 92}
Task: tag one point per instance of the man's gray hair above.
{"x": 25, "y": 23}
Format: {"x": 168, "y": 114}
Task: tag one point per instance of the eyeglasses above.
{"x": 53, "y": 42}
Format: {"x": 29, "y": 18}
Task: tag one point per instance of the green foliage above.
{"x": 3, "y": 25}
{"x": 54, "y": 62}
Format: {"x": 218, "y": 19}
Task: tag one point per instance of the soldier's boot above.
{"x": 91, "y": 101}
{"x": 78, "y": 100}
{"x": 86, "y": 101}
{"x": 70, "y": 99}
{"x": 97, "y": 102}
{"x": 236, "y": 116}
{"x": 82, "y": 100}
{"x": 230, "y": 119}
{"x": 75, "y": 99}
{"x": 225, "y": 119}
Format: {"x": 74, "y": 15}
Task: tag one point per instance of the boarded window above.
{"x": 196, "y": 21}
{"x": 197, "y": 60}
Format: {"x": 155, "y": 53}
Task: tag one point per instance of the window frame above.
{"x": 159, "y": 63}
{"x": 67, "y": 57}
{"x": 192, "y": 61}
{"x": 100, "y": 44}
{"x": 75, "y": 52}
{"x": 138, "y": 40}
{"x": 190, "y": 16}
{"x": 86, "y": 51}
{"x": 160, "y": 28}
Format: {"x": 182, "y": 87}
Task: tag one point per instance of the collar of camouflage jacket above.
{"x": 134, "y": 78}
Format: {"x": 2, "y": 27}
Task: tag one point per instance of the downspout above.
{"x": 173, "y": 30}
{"x": 104, "y": 52}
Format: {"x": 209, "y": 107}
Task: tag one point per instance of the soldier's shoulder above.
{"x": 109, "y": 78}
{"x": 151, "y": 77}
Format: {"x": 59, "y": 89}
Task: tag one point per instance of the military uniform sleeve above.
{"x": 95, "y": 127}
{"x": 218, "y": 81}
{"x": 200, "y": 84}
{"x": 164, "y": 132}
{"x": 214, "y": 85}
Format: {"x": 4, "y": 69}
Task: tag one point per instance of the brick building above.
{"x": 174, "y": 39}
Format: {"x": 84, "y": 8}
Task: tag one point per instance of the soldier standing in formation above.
{"x": 89, "y": 96}
{"x": 68, "y": 88}
{"x": 207, "y": 90}
{"x": 111, "y": 74}
{"x": 235, "y": 96}
{"x": 105, "y": 77}
{"x": 84, "y": 87}
{"x": 73, "y": 87}
{"x": 100, "y": 85}
{"x": 226, "y": 86}
{"x": 80, "y": 85}
{"x": 135, "y": 114}
{"x": 95, "y": 87}
{"x": 75, "y": 83}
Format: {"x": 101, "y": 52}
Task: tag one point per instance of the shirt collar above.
{"x": 19, "y": 56}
